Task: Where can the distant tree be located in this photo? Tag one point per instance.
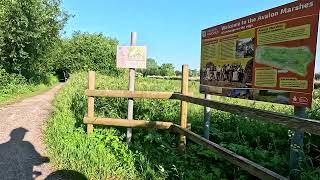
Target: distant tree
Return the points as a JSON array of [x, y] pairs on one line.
[[167, 70], [194, 73], [317, 76], [28, 30], [152, 64], [152, 68], [178, 73]]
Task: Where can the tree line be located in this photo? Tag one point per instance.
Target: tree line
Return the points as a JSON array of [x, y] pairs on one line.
[[31, 44], [166, 69]]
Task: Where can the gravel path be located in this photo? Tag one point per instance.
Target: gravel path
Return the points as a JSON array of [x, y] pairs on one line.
[[22, 152]]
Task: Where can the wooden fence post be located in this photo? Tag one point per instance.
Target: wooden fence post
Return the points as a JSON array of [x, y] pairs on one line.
[[184, 105], [91, 86]]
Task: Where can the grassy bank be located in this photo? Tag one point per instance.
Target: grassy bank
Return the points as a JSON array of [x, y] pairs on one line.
[[153, 153], [15, 87], [25, 92]]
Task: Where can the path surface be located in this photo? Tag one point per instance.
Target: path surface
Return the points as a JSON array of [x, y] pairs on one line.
[[22, 152]]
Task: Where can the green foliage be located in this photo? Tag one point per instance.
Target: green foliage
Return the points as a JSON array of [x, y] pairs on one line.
[[167, 70], [13, 86], [153, 153], [27, 31], [153, 69], [84, 51], [194, 73]]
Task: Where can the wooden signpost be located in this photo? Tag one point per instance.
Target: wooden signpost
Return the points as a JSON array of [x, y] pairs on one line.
[[131, 57], [132, 77]]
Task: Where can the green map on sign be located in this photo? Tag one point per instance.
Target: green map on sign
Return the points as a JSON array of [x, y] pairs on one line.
[[292, 59]]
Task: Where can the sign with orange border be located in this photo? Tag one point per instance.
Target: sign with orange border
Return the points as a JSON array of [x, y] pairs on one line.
[[268, 56]]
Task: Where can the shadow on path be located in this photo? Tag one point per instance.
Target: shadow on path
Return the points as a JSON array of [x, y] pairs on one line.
[[18, 157], [66, 174]]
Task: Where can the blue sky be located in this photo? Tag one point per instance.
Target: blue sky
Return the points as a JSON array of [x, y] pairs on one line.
[[170, 29]]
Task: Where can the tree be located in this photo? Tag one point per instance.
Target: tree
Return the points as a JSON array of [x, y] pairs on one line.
[[167, 70], [84, 51], [194, 73], [178, 73], [28, 29], [151, 69]]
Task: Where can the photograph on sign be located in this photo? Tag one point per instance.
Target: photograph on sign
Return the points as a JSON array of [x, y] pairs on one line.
[[268, 56], [132, 57]]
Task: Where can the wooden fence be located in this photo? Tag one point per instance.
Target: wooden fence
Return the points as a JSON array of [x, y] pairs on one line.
[[292, 122]]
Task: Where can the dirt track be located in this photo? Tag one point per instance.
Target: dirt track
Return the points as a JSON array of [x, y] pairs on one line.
[[22, 152]]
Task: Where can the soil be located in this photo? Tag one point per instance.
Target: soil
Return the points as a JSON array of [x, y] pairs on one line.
[[22, 151]]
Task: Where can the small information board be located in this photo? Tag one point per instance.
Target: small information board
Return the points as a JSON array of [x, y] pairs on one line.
[[132, 57]]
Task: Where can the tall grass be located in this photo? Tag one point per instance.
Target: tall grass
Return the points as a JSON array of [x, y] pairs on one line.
[[153, 153], [15, 86]]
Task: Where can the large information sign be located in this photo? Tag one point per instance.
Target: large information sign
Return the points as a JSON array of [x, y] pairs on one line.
[[268, 56]]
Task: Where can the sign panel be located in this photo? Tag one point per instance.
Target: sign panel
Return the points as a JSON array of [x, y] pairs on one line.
[[268, 56], [131, 57]]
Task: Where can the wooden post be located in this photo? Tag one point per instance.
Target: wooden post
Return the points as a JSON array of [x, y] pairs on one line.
[[132, 75], [184, 105], [296, 147], [91, 86], [206, 130]]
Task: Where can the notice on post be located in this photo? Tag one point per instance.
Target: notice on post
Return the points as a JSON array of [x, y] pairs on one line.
[[132, 57]]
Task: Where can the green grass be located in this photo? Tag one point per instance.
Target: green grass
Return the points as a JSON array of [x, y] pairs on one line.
[[16, 90], [153, 153]]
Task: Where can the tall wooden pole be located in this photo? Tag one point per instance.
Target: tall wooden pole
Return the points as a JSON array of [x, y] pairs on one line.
[[206, 129], [184, 105], [91, 86], [132, 75], [296, 148]]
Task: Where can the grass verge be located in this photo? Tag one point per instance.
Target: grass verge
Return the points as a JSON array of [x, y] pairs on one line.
[[30, 91]]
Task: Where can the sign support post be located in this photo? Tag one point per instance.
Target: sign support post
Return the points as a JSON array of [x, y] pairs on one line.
[[296, 147], [184, 106], [206, 131], [132, 75]]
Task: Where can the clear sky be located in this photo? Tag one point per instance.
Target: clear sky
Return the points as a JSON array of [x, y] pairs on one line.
[[171, 29]]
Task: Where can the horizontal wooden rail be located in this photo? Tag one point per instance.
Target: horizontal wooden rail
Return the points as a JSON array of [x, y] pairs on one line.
[[232, 157], [245, 164], [127, 123], [130, 94], [293, 122]]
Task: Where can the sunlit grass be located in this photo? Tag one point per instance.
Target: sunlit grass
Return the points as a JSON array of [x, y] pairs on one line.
[[153, 153]]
